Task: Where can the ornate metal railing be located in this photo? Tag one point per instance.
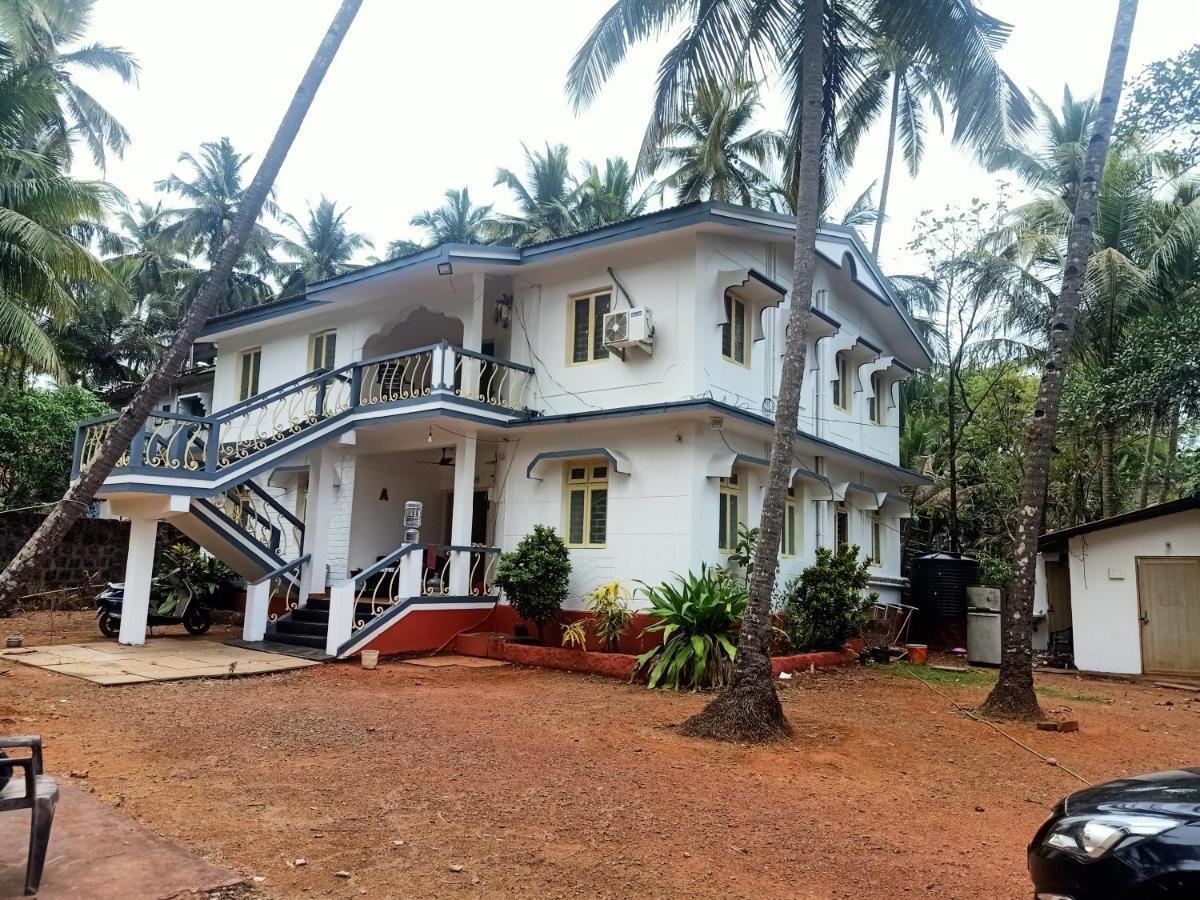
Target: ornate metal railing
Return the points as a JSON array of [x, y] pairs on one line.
[[281, 584], [262, 517], [489, 380], [423, 570], [215, 443]]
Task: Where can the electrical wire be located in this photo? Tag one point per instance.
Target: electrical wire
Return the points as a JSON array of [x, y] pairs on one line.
[[1046, 759]]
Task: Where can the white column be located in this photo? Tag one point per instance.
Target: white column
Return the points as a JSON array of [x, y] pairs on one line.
[[258, 599], [317, 517], [460, 522], [341, 616], [139, 569]]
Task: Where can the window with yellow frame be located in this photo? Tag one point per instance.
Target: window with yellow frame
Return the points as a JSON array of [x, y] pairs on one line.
[[735, 336], [732, 509], [876, 539], [249, 368], [586, 494], [841, 384], [585, 326], [791, 524], [875, 406], [322, 348]]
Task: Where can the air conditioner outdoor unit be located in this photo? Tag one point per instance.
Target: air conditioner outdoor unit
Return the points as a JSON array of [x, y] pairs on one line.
[[629, 328]]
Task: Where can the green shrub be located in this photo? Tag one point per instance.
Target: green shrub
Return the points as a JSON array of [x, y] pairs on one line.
[[37, 437], [535, 576], [995, 571], [697, 616], [827, 604], [188, 571]]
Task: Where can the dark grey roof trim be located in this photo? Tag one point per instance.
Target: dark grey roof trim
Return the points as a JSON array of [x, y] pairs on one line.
[[1053, 539], [640, 226]]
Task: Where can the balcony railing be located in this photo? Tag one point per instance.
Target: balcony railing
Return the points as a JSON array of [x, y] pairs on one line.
[[212, 444]]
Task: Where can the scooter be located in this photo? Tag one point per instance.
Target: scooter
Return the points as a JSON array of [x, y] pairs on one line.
[[171, 603]]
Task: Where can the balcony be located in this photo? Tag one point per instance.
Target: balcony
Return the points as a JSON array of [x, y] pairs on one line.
[[174, 448]]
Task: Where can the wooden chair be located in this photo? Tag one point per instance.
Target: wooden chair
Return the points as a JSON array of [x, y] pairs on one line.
[[35, 792]]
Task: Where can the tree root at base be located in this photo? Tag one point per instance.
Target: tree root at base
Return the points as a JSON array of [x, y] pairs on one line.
[[746, 713]]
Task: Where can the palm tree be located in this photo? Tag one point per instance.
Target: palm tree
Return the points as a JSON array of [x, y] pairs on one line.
[[603, 198], [41, 211], [398, 248], [907, 81], [1132, 246], [323, 249], [1013, 696], [216, 192], [133, 418], [726, 40], [710, 149], [39, 34], [546, 199], [457, 221], [141, 257]]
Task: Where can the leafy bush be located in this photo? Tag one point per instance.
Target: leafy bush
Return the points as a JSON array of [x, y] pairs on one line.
[[995, 571], [535, 576], [609, 605], [37, 438], [190, 571], [827, 604], [697, 616], [745, 550]]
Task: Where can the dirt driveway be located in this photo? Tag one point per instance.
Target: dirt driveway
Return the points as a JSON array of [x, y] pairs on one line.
[[519, 782]]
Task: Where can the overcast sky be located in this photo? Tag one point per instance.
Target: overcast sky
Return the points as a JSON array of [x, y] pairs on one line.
[[432, 95]]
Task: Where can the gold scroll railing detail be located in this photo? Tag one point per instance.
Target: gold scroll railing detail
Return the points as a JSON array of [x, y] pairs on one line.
[[172, 443], [489, 381], [260, 426], [285, 587], [400, 378]]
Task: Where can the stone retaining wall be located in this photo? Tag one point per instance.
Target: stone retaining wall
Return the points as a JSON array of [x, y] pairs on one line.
[[92, 553]]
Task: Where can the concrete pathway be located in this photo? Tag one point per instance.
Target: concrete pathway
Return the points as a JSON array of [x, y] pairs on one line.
[[450, 659], [159, 659], [98, 853]]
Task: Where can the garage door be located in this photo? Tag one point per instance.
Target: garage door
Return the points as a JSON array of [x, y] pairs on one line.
[[1169, 604]]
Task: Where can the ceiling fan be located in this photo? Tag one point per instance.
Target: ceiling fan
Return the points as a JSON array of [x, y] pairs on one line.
[[446, 460]]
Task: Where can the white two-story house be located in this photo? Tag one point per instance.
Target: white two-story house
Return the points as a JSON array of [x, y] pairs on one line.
[[618, 384]]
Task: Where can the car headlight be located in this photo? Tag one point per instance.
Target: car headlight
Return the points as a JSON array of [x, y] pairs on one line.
[[1090, 837]]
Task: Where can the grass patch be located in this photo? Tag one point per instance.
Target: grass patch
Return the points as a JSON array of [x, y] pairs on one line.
[[979, 677], [969, 678], [1062, 694]]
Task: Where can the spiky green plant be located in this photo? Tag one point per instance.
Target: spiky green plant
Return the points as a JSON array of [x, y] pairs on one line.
[[697, 617]]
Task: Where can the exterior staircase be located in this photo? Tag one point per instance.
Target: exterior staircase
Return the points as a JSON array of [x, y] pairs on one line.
[[213, 462]]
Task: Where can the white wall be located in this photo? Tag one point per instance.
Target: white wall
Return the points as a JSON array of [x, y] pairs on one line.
[[1104, 608], [377, 527], [662, 517]]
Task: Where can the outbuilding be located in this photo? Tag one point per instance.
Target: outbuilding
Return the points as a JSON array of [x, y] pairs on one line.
[[1125, 590]]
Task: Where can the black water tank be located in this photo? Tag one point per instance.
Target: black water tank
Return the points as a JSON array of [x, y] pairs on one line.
[[938, 584]]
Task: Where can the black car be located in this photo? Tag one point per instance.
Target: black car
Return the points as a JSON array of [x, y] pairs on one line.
[[1134, 839]]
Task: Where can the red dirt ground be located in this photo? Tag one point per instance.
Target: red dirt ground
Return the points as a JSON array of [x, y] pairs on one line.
[[550, 784]]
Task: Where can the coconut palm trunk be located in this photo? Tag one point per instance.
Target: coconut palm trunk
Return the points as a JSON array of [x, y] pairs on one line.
[[1148, 460], [748, 709], [1168, 473], [1108, 470], [51, 532], [886, 183], [1013, 695]]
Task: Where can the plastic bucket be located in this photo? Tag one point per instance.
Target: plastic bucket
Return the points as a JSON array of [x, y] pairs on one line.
[[370, 659], [917, 653]]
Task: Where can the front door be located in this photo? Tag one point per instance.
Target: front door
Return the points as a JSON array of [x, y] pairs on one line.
[[1169, 606]]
